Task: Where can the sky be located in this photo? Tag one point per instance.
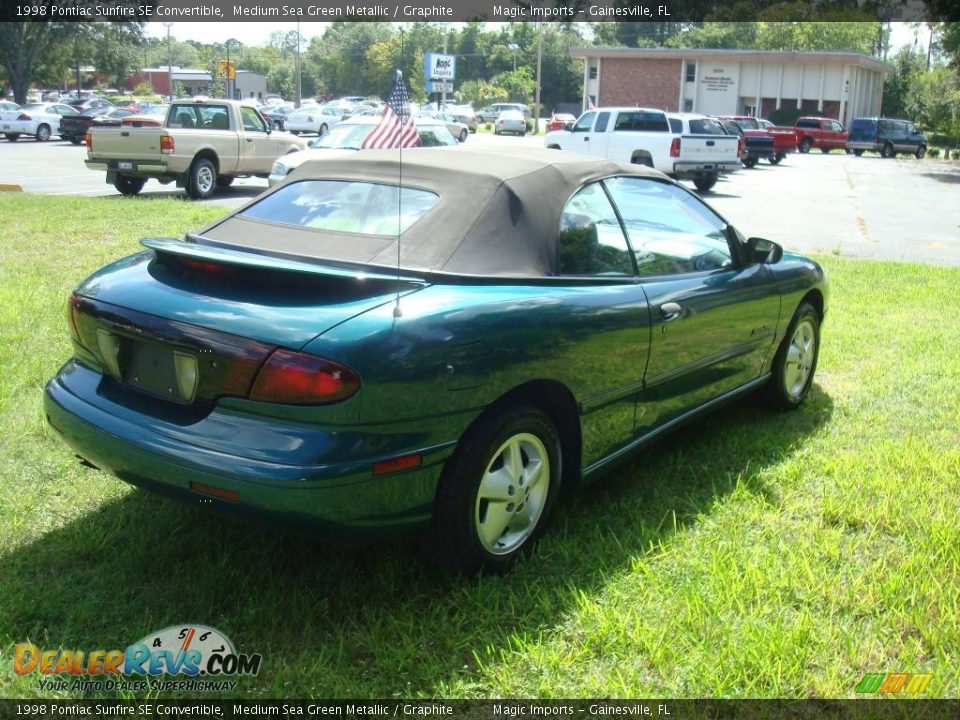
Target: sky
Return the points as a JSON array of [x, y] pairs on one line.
[[256, 33]]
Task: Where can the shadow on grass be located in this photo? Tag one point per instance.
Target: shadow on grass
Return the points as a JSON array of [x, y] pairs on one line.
[[376, 621], [240, 191], [952, 178]]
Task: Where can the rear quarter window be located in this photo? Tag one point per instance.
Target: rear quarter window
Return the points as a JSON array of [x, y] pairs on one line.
[[706, 126], [640, 121]]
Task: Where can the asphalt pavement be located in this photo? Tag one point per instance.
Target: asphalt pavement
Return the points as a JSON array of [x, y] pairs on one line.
[[861, 207]]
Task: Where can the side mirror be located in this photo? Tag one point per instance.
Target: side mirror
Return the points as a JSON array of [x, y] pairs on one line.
[[760, 250]]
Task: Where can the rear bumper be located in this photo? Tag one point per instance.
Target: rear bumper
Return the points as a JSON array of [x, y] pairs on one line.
[[137, 168], [875, 147], [330, 497], [693, 169]]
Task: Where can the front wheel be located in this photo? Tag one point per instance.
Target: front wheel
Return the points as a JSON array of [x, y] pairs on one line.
[[751, 162], [805, 145], [705, 183], [775, 160], [921, 151], [463, 135], [75, 140], [322, 131], [858, 153], [825, 150], [201, 179], [497, 491], [12, 137], [43, 133], [796, 360], [129, 186]]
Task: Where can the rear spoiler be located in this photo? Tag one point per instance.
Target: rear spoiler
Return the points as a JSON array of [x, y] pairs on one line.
[[251, 259]]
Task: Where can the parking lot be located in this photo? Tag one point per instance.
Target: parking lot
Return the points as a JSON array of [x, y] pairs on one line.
[[866, 207]]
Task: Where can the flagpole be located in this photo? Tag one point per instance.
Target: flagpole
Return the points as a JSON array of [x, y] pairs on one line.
[[397, 312]]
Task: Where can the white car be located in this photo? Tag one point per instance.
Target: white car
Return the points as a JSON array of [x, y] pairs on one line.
[[510, 121], [41, 120], [348, 137], [314, 119]]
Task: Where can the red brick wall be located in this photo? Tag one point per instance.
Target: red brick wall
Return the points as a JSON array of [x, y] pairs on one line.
[[647, 83]]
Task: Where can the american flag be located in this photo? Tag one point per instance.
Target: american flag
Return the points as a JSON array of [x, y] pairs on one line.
[[396, 128]]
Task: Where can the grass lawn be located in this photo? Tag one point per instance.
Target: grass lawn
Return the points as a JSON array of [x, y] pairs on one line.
[[750, 555]]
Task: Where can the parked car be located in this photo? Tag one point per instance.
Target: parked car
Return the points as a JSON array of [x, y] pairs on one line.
[[6, 107], [347, 137], [560, 121], [464, 114], [755, 146], [510, 121], [277, 115], [887, 136], [93, 103], [282, 363], [461, 131], [314, 119], [818, 132], [74, 127], [41, 120], [644, 136], [784, 139], [490, 113], [154, 117], [203, 144]]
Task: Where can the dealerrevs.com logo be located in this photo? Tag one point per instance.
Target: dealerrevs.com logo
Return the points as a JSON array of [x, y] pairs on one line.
[[199, 658]]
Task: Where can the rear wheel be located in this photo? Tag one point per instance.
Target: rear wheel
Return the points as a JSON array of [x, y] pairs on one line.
[[825, 150], [463, 135], [12, 137], [323, 130], [775, 160], [751, 162], [75, 140], [705, 183], [497, 491], [858, 153], [888, 151], [224, 181], [805, 145], [796, 360], [43, 133], [128, 185], [921, 151], [201, 179]]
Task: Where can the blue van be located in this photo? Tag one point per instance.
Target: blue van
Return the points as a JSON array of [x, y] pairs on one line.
[[887, 136]]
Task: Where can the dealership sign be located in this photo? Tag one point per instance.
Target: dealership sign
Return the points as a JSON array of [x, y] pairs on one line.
[[439, 67]]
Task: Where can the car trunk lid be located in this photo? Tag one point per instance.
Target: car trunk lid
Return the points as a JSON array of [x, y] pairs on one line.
[[126, 144]]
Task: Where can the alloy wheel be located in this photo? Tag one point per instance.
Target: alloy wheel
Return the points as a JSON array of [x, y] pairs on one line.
[[800, 358]]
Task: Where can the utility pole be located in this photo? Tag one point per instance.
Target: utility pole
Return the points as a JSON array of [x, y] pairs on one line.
[[169, 63], [299, 89], [228, 94], [443, 93], [536, 120]]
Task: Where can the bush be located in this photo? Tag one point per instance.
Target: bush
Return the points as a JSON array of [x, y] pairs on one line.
[[933, 152], [955, 154]]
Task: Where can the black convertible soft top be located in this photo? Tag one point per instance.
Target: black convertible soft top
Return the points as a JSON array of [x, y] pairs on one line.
[[498, 213]]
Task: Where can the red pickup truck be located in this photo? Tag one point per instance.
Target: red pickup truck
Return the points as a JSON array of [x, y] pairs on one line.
[[784, 139], [818, 132]]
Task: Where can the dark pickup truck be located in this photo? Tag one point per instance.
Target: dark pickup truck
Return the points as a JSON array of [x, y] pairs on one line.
[[784, 139], [755, 146]]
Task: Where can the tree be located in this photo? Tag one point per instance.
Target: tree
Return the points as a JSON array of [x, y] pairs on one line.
[[907, 64], [519, 84]]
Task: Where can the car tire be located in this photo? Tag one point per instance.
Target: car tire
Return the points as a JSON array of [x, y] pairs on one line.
[[463, 135], [201, 179], [277, 125], [43, 133], [751, 162], [294, 132], [497, 491], [12, 137], [322, 131], [706, 183], [795, 363], [825, 150], [921, 151], [858, 153], [775, 160], [805, 145], [129, 186], [887, 151], [224, 181], [75, 140]]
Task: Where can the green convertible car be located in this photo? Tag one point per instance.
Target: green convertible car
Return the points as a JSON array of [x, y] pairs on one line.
[[440, 345]]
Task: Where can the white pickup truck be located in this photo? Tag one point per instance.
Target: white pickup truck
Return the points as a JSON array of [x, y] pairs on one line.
[[644, 136], [202, 145]]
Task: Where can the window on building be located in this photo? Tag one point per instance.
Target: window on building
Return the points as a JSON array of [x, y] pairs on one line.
[[593, 72], [750, 110], [688, 105], [691, 71]]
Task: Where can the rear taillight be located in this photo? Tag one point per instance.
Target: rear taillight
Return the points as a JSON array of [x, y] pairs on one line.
[[739, 147], [166, 144], [675, 147], [210, 268], [23, 116], [88, 141], [293, 378]]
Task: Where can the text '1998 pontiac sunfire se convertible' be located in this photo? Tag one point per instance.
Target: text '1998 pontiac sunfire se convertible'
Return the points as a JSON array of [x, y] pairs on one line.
[[544, 315]]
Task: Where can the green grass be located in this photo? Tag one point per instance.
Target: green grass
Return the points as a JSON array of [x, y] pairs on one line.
[[750, 555]]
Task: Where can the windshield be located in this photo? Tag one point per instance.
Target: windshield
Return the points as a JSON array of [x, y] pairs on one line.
[[344, 137]]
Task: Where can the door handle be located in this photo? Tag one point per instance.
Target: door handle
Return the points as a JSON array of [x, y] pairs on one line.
[[670, 311], [586, 137], [249, 139]]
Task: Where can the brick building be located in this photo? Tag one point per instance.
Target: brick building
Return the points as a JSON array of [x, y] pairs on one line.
[[840, 85]]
